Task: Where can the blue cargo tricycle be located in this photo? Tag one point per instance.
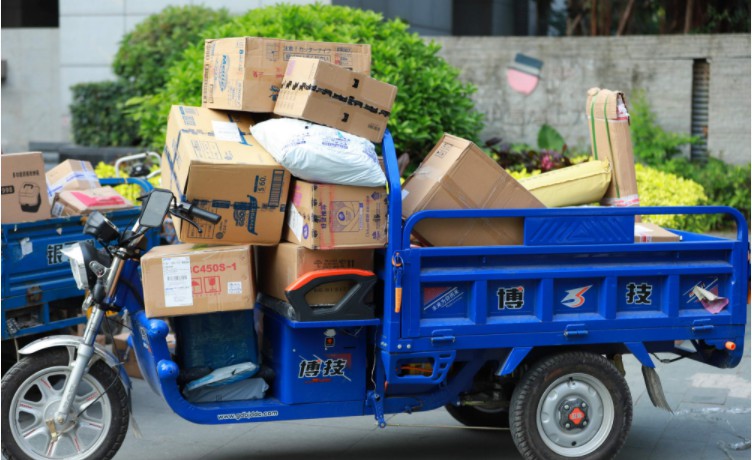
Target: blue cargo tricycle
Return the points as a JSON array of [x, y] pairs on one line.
[[530, 337]]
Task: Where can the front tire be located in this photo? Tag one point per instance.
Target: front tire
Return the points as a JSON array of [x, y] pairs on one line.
[[573, 405], [30, 394]]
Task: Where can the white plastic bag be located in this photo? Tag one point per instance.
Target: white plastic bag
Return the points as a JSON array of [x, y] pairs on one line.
[[320, 154]]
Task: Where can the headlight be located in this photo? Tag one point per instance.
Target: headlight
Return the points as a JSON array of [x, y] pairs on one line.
[[75, 255], [80, 255]]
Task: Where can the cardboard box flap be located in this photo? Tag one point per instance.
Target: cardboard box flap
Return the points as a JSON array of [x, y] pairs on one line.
[[604, 104]]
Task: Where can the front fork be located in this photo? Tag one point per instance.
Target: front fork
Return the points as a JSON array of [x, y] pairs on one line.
[[84, 352], [109, 279]]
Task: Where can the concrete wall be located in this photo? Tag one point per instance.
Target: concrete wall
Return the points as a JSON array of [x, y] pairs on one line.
[[660, 65], [31, 89]]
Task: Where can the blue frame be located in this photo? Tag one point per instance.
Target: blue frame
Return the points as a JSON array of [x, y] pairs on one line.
[[477, 337]]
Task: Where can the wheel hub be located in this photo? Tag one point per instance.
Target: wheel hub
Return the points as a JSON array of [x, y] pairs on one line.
[[574, 414]]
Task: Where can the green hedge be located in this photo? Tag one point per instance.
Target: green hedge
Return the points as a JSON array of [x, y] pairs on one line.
[[97, 115]]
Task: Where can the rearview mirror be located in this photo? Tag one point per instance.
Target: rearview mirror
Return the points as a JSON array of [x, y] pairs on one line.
[[154, 208]]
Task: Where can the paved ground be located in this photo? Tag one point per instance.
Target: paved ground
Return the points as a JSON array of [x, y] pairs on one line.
[[712, 421]]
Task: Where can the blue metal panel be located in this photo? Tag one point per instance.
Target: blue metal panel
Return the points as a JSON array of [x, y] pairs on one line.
[[553, 231]]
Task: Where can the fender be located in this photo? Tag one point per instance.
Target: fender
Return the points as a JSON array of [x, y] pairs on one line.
[[71, 342]]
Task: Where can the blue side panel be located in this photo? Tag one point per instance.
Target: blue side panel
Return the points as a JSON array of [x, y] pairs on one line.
[[553, 231]]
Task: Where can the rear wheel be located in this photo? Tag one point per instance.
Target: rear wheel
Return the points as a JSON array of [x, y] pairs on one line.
[[496, 417], [572, 405], [31, 392]]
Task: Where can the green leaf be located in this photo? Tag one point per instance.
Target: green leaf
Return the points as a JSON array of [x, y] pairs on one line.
[[550, 139]]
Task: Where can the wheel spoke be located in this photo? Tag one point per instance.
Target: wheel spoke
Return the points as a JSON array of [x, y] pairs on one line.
[[46, 388], [35, 408], [35, 431]]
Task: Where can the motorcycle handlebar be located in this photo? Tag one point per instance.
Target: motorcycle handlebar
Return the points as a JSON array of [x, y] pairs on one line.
[[192, 211]]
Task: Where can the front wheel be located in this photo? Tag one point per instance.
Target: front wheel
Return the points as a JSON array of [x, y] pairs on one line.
[[31, 392], [573, 405]]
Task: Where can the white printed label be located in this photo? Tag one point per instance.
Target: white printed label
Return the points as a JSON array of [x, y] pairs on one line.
[[405, 193], [234, 287], [226, 131], [295, 222], [27, 247], [176, 272], [57, 210]]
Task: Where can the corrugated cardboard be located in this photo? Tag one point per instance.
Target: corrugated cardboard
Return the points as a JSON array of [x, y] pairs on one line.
[[79, 202], [334, 96], [71, 175], [327, 216], [186, 279], [459, 175], [24, 188], [245, 73], [645, 232], [212, 160], [287, 262], [128, 357], [608, 122]]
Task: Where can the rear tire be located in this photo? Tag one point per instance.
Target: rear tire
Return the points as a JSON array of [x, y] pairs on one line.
[[573, 405], [478, 416], [30, 392]]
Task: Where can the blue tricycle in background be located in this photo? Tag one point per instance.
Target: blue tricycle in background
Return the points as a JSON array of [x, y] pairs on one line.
[[488, 332]]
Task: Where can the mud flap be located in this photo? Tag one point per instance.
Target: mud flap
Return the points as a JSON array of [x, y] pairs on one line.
[[655, 389]]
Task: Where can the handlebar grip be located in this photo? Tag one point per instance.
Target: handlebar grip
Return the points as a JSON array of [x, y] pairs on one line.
[[198, 213]]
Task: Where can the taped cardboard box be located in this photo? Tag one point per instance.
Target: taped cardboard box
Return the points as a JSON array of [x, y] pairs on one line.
[[646, 232], [330, 95], [327, 216], [187, 279], [608, 122], [126, 355], [457, 174], [287, 262], [211, 160], [245, 73], [81, 202], [71, 175], [24, 188]]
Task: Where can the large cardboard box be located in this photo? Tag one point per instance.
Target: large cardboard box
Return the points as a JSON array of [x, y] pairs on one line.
[[327, 216], [212, 160], [457, 174], [645, 232], [245, 73], [128, 357], [71, 175], [79, 202], [187, 279], [330, 95], [287, 262], [608, 122], [24, 188]]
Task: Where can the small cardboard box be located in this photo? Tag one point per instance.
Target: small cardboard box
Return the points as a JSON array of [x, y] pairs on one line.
[[71, 175], [24, 188], [128, 357], [327, 216], [80, 202], [212, 160], [287, 262], [608, 122], [330, 95], [459, 175], [187, 279], [645, 232], [245, 73]]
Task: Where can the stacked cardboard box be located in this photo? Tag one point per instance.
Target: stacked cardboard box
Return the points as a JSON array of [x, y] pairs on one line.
[[24, 197], [211, 160]]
